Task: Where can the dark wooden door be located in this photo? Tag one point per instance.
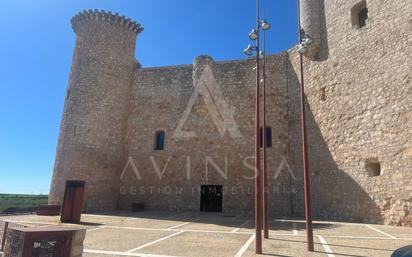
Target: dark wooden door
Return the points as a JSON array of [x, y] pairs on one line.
[[73, 201], [211, 197]]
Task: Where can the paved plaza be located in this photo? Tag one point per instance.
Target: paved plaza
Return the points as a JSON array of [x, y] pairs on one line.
[[150, 234]]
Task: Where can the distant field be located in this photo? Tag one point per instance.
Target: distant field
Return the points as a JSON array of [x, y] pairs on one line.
[[20, 203]]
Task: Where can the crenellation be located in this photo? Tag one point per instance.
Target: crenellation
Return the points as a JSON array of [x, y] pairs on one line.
[[101, 15]]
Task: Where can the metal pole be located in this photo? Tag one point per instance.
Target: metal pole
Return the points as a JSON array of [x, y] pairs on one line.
[[308, 207], [258, 213], [265, 175]]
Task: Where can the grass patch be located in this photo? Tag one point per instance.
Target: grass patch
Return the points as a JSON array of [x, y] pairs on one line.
[[21, 202]]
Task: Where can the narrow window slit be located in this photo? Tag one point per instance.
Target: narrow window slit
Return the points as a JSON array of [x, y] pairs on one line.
[[268, 137], [322, 94], [160, 140]]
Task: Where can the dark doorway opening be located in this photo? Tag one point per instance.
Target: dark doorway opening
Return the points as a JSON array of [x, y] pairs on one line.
[[211, 197]]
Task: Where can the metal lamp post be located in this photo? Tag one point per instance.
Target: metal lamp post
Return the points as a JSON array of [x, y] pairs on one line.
[[265, 175], [305, 41], [254, 36]]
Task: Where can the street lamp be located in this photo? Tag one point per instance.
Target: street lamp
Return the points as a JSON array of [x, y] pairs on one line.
[[302, 49], [249, 50], [265, 25], [305, 41], [305, 38], [254, 36]]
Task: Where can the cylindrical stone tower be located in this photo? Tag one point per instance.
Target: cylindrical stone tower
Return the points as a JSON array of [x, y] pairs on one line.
[[310, 20], [93, 127]]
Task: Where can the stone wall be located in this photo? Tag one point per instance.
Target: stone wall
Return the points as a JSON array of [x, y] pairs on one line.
[[160, 100], [364, 79], [93, 125]]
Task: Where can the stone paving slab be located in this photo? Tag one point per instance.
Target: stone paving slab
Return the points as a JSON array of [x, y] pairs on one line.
[[365, 247], [100, 219], [147, 223], [219, 225], [286, 246], [277, 226], [398, 232], [342, 230], [114, 239], [199, 244]]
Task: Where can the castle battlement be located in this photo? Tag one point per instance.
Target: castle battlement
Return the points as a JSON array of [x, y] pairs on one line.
[[103, 16]]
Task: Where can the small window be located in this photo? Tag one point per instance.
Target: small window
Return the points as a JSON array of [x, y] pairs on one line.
[[160, 140], [322, 94], [373, 168], [359, 15], [268, 137], [363, 16]]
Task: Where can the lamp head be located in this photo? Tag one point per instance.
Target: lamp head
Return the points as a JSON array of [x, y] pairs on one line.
[[302, 49], [265, 25], [248, 50], [253, 35], [307, 40]]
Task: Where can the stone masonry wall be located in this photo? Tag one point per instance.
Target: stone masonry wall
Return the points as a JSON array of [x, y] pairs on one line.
[[91, 140], [159, 100], [366, 115]]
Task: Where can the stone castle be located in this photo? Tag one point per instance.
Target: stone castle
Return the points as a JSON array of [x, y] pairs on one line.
[[156, 135]]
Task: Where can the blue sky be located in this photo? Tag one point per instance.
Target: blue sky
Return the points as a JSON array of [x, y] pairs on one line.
[[36, 45]]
